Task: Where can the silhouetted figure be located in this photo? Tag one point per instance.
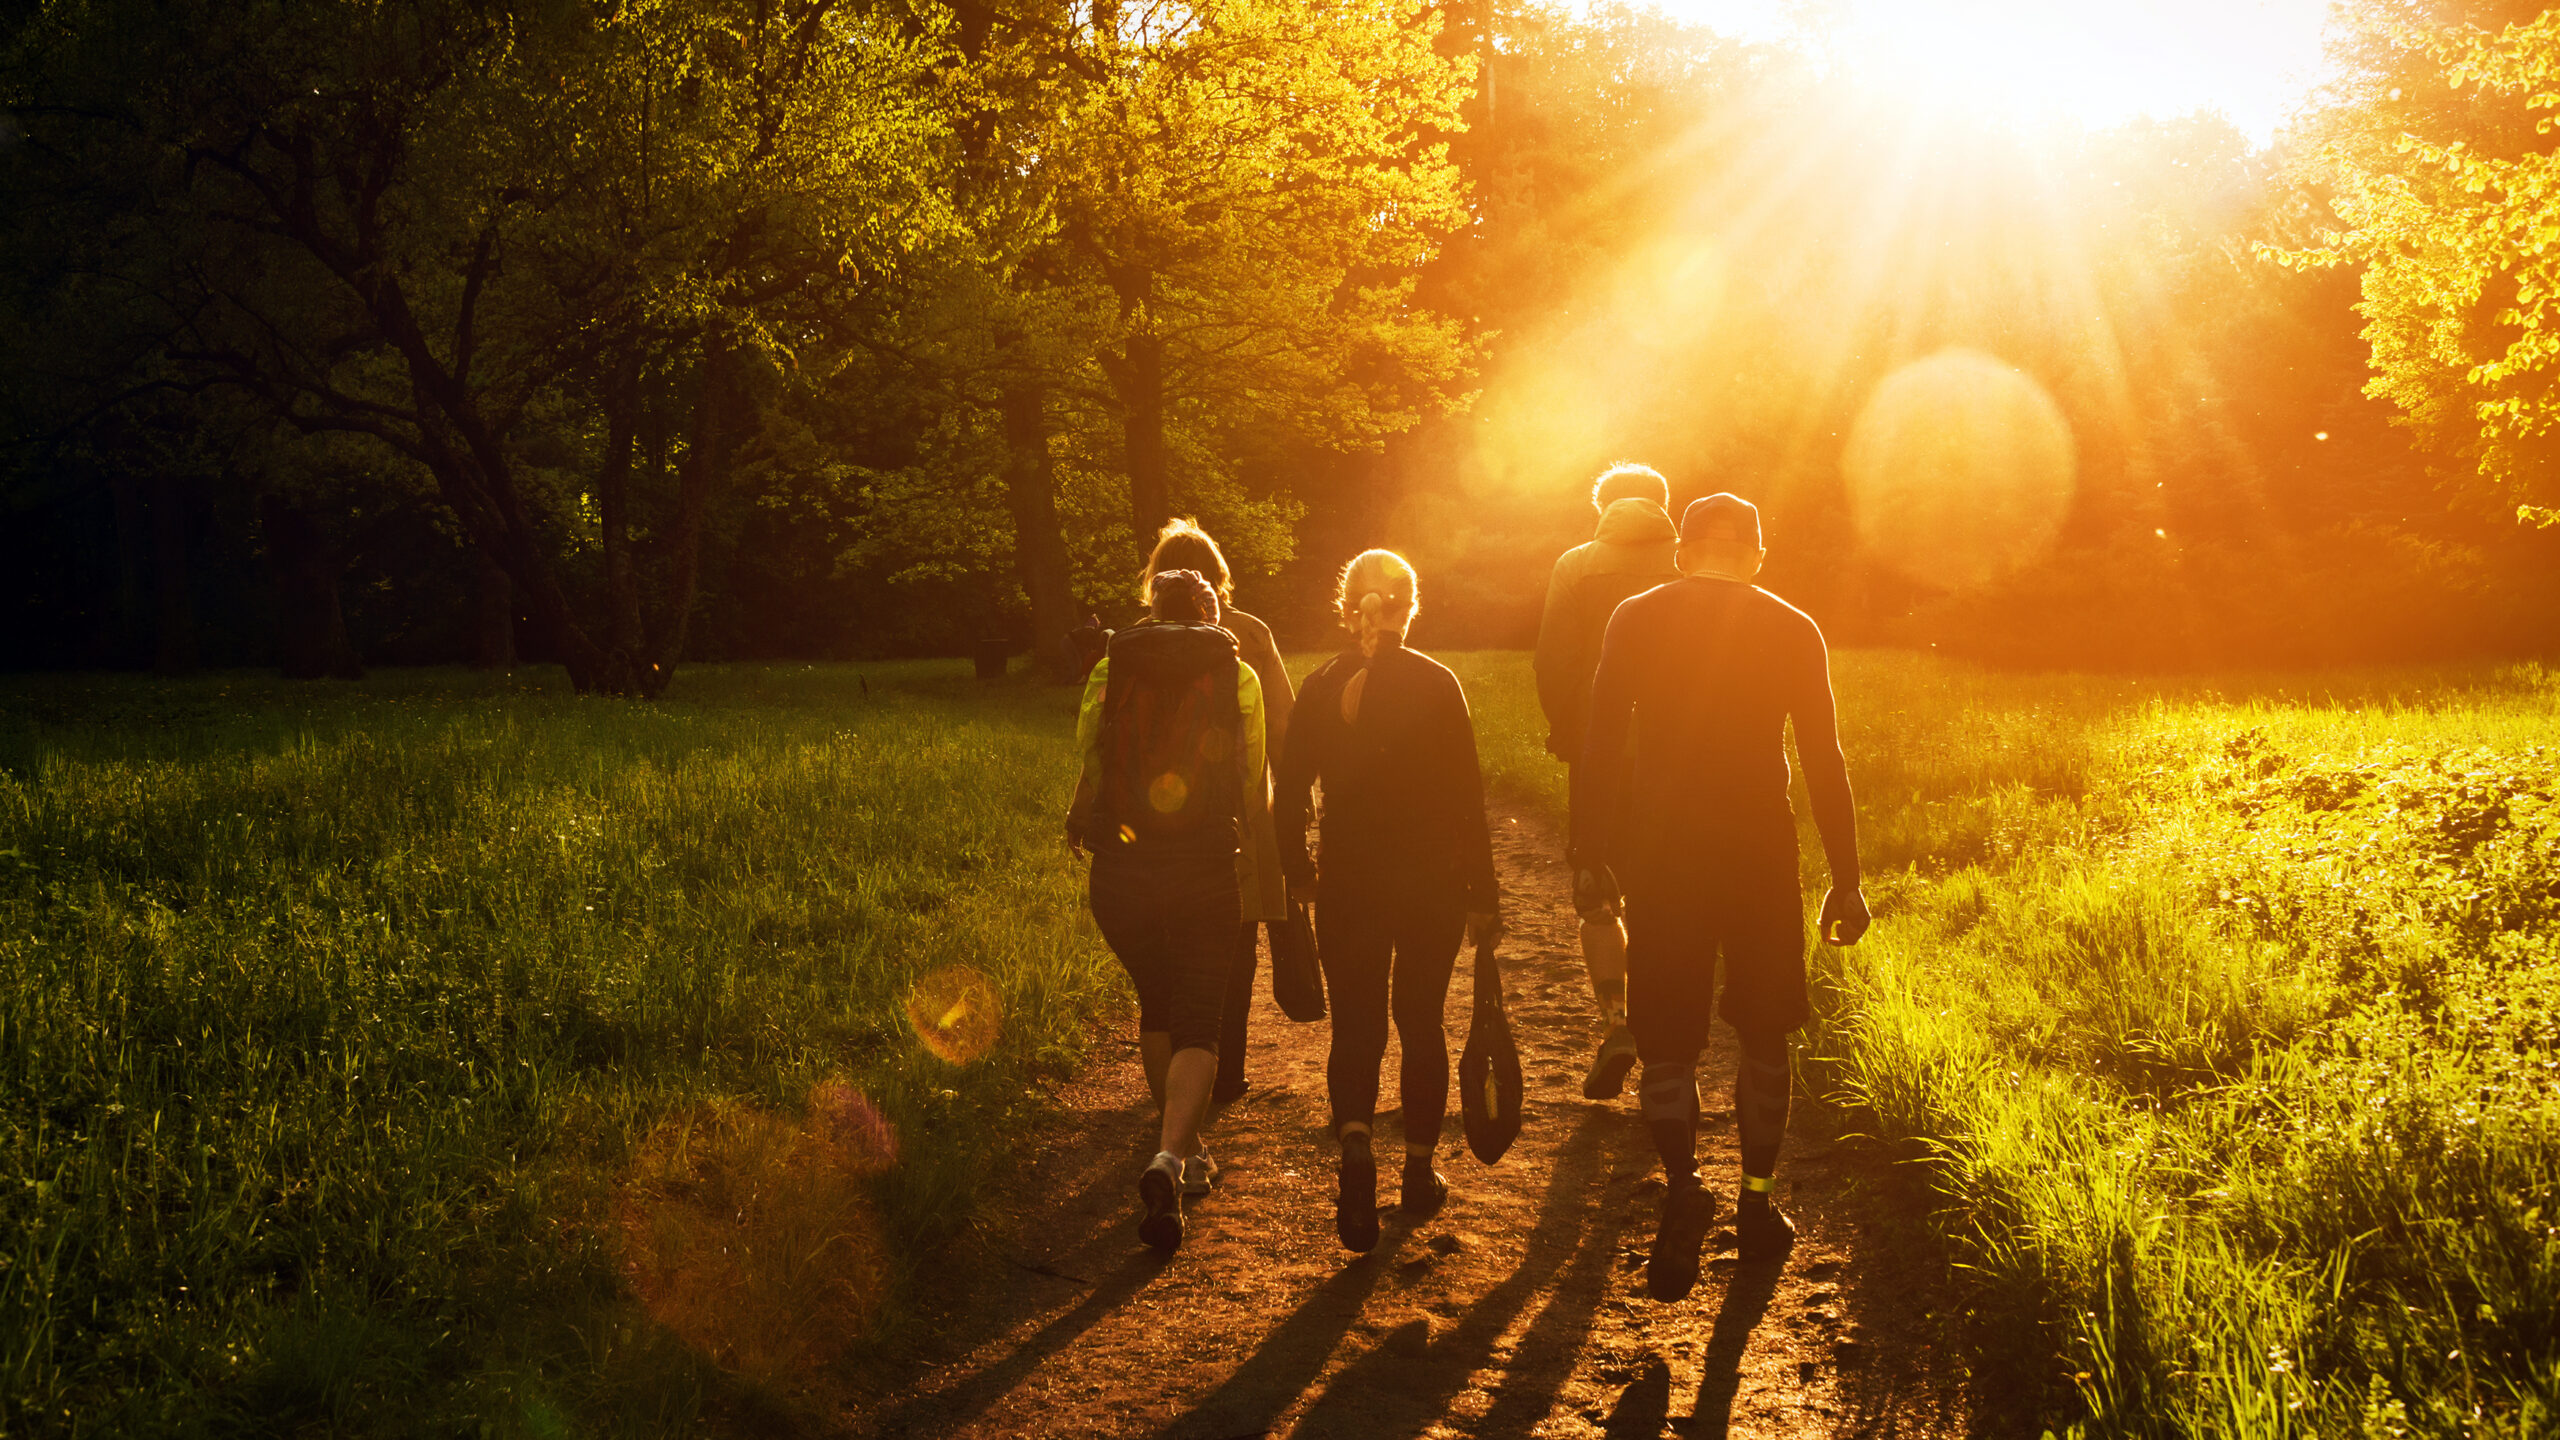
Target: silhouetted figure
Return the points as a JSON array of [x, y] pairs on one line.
[[1171, 735], [1407, 871], [1629, 553], [1709, 670], [1183, 545]]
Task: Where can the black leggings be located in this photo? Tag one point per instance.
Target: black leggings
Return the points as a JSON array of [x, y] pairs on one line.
[[1389, 949]]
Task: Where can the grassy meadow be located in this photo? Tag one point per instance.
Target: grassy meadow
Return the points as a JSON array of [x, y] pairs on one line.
[[366, 1051], [444, 1053], [2226, 1016]]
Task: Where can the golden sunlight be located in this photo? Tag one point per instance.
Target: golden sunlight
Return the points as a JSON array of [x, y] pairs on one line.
[[2034, 62]]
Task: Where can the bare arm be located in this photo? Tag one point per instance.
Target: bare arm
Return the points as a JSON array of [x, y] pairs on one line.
[[1826, 770], [1826, 781]]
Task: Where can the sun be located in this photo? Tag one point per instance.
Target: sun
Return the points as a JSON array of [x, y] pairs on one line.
[[2031, 64]]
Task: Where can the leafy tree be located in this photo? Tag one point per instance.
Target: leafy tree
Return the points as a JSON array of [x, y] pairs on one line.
[[2452, 221], [536, 252], [1252, 184]]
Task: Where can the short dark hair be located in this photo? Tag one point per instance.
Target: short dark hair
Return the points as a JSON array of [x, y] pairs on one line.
[[1183, 545]]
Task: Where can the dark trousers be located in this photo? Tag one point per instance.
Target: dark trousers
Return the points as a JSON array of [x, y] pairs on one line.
[[1170, 918], [1387, 949], [1231, 1025]]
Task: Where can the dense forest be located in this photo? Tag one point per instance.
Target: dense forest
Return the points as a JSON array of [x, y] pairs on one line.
[[617, 335]]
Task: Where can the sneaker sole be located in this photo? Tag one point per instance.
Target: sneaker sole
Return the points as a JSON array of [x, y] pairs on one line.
[[1194, 1192], [1608, 1077], [1162, 1228]]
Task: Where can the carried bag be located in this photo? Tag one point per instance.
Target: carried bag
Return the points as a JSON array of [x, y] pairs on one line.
[[1297, 981], [1489, 1086]]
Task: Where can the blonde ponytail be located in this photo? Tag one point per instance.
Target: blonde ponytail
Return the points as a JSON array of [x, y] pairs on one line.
[[1377, 597]]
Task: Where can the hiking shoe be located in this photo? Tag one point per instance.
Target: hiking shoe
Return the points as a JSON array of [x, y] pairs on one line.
[[1160, 1190], [1198, 1174], [1355, 1209], [1672, 1269], [1765, 1231], [1609, 1068], [1424, 1191], [1227, 1092]]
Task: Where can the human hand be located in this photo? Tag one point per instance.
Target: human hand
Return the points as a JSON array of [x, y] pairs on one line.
[[1595, 893], [1484, 927], [1844, 915], [1075, 834]]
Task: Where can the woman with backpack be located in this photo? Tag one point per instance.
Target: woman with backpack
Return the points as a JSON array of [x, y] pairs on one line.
[[1406, 871], [1183, 545], [1171, 735]]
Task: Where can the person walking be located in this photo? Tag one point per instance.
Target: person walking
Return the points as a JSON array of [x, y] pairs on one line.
[[1708, 672], [1172, 780], [1629, 553], [1183, 545], [1403, 875]]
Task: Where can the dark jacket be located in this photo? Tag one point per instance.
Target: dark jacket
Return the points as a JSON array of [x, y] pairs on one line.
[[1403, 796]]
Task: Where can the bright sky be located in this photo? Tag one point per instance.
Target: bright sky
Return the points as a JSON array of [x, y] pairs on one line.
[[2098, 62]]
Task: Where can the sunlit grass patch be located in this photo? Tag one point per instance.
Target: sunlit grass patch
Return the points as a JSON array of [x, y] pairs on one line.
[[2225, 1013], [341, 1028]]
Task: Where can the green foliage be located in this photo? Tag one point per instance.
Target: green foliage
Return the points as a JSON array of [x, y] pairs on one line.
[[2452, 220], [333, 1029]]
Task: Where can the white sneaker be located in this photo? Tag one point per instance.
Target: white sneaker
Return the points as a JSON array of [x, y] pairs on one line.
[[1198, 1174]]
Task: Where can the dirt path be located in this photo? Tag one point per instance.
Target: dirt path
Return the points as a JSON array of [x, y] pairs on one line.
[[1518, 1310]]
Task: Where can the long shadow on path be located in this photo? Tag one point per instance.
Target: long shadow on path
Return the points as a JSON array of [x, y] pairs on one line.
[[1746, 1303], [1407, 1382]]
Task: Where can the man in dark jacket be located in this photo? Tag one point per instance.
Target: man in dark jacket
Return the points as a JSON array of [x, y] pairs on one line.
[[1629, 553], [1706, 674]]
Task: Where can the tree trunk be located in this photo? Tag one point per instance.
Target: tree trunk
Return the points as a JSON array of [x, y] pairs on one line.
[[311, 628], [173, 620], [1039, 545], [706, 464], [1139, 377], [613, 497], [493, 618]]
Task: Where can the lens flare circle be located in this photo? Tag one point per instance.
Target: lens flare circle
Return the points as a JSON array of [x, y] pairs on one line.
[[1960, 470], [955, 1012], [753, 1236]]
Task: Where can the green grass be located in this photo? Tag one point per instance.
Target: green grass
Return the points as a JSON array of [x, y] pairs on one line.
[[2226, 1017], [363, 1048], [442, 1054]]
